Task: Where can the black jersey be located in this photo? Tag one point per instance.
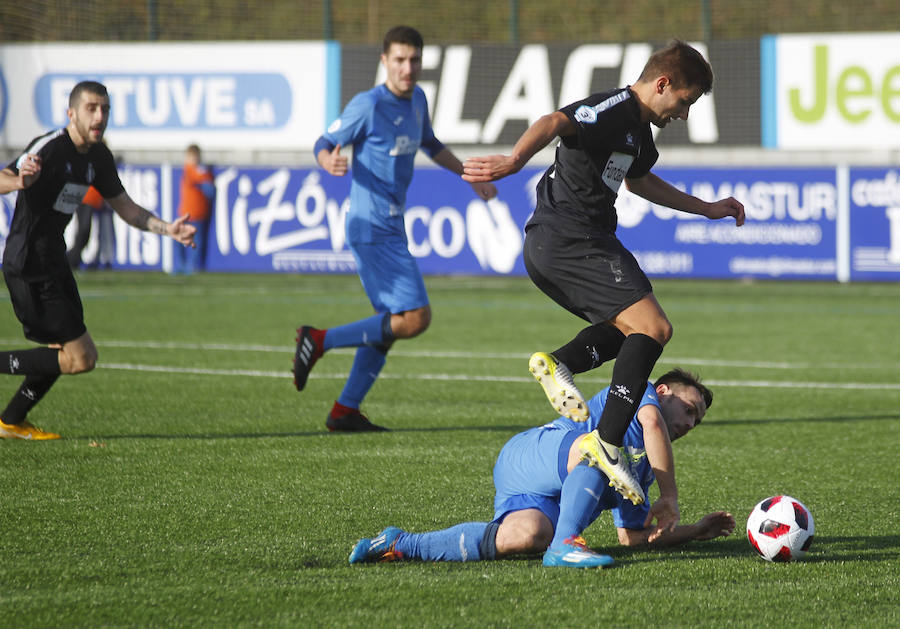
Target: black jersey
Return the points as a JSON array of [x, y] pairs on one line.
[[35, 247], [578, 192]]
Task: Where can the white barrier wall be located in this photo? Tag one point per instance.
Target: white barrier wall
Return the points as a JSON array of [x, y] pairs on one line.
[[222, 95], [831, 91]]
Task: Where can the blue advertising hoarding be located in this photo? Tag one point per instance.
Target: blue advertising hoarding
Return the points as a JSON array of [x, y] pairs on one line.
[[292, 220], [790, 228], [874, 221], [802, 223]]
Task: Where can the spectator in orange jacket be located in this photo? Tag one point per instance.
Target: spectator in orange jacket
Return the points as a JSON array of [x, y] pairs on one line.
[[197, 191]]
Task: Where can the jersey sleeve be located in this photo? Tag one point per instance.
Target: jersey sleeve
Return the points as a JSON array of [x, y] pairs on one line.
[[17, 162], [594, 118], [646, 159], [353, 121], [107, 180], [430, 144], [649, 397]]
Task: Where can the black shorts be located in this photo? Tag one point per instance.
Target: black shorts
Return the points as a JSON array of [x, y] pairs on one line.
[[50, 309], [595, 278]]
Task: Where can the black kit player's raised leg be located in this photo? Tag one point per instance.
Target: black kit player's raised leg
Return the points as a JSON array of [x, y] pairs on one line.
[[593, 346], [632, 369]]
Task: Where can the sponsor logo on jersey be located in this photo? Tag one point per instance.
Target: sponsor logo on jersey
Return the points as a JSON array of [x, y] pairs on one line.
[[404, 145], [335, 126], [70, 197], [616, 169]]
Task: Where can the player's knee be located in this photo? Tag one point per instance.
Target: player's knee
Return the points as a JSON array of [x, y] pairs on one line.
[[79, 363], [524, 537], [664, 332], [413, 323], [660, 331], [540, 540]]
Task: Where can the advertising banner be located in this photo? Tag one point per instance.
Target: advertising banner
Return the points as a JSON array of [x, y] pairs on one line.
[[481, 94], [260, 96], [790, 228], [874, 207], [222, 95], [291, 220], [802, 223], [831, 91]]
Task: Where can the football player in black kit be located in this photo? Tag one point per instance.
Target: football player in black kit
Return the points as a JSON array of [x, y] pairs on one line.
[[572, 254], [51, 177]]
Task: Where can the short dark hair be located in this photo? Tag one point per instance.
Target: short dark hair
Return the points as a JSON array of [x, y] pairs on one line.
[[686, 378], [402, 35], [94, 87], [683, 64]]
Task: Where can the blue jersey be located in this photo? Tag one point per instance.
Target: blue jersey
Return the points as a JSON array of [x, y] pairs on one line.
[[531, 467], [385, 132]]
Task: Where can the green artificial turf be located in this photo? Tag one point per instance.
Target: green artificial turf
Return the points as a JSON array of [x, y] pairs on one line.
[[195, 487]]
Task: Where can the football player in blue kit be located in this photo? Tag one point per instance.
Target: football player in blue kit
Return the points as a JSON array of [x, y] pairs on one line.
[[386, 126], [571, 251], [51, 178], [546, 495]]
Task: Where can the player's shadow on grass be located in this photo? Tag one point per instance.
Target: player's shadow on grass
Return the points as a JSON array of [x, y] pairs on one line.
[[310, 433], [725, 423], [854, 548], [826, 548]]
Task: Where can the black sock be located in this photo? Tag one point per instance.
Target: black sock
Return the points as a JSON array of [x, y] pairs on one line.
[[592, 347], [633, 366], [40, 361], [29, 394]]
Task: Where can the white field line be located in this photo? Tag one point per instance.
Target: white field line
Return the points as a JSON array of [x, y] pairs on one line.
[[289, 350]]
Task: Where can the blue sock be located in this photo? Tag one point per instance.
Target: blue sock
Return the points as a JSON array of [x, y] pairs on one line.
[[581, 491], [367, 365], [370, 331], [463, 542]]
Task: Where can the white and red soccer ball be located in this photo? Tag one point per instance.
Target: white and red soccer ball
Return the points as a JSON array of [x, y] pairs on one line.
[[780, 528]]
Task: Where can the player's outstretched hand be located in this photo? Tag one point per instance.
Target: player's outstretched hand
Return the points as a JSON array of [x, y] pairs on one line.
[[334, 162], [712, 525], [182, 231], [666, 514], [727, 207], [488, 168]]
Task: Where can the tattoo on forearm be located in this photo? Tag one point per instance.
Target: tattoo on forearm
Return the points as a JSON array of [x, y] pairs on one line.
[[147, 222], [157, 226]]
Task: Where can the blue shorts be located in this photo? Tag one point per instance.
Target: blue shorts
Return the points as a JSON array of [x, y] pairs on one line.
[[530, 471], [390, 276]]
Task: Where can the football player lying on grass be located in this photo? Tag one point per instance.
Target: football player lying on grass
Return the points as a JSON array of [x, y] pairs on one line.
[[547, 492]]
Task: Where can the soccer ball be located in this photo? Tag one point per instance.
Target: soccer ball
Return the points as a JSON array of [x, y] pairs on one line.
[[780, 528]]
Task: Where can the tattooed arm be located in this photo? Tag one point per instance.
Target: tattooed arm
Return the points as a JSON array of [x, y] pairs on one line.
[[138, 217]]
